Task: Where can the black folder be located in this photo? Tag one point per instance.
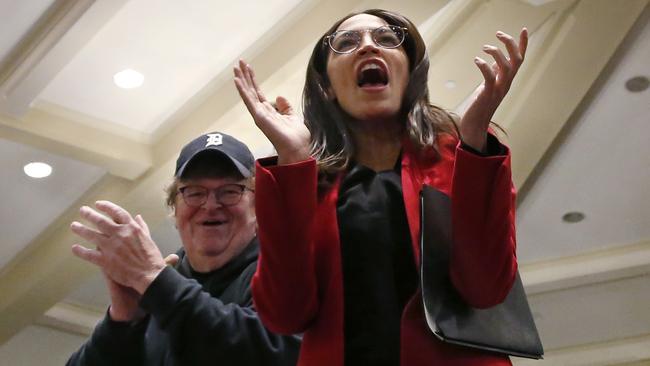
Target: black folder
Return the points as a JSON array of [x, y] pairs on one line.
[[506, 328]]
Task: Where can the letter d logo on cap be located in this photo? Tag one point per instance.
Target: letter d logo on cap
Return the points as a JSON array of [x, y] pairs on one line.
[[214, 139]]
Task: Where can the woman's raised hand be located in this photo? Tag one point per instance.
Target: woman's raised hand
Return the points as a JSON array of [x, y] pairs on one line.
[[497, 80], [282, 126]]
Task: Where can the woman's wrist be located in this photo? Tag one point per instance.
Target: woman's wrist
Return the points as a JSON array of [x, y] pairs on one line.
[[292, 157], [475, 140]]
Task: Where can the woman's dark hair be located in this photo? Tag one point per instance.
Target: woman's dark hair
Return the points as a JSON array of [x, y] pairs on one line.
[[331, 142]]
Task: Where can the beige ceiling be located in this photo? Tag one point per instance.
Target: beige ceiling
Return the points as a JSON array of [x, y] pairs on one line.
[[578, 137]]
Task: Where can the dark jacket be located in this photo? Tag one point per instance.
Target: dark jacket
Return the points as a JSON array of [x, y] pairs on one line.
[[194, 319]]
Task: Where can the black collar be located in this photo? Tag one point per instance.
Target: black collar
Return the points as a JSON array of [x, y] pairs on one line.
[[215, 281]]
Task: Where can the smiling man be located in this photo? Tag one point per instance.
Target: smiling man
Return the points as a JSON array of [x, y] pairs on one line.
[[200, 311]]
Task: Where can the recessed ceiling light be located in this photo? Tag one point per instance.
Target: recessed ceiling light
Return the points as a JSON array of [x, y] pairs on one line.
[[37, 170], [573, 217], [537, 2], [128, 79], [637, 84], [450, 84]]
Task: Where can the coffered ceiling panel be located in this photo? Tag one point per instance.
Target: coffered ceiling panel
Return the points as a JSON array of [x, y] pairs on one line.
[[601, 168], [178, 51], [29, 204]]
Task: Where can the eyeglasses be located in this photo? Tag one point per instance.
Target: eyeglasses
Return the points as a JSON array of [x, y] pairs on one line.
[[227, 195], [346, 41]]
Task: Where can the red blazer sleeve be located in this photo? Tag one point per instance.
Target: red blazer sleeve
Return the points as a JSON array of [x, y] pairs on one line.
[[284, 286], [483, 260]]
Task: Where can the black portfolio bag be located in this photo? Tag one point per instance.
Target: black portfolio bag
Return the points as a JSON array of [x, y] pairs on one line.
[[506, 328]]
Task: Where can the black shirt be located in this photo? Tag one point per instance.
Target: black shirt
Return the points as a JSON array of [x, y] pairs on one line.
[[194, 319], [379, 274]]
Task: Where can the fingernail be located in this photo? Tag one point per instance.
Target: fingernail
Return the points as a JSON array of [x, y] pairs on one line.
[[486, 47]]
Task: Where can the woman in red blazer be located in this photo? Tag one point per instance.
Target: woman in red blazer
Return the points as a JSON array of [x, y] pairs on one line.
[[338, 208]]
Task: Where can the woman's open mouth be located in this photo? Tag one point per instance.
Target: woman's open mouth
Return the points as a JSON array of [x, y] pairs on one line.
[[372, 74]]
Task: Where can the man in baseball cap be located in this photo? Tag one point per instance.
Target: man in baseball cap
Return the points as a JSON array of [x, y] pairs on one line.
[[200, 311]]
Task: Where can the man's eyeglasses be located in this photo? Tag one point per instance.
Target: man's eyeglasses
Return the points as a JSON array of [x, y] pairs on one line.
[[346, 41], [227, 195]]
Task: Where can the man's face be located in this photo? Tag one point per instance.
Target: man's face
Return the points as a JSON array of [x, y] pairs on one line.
[[213, 234]]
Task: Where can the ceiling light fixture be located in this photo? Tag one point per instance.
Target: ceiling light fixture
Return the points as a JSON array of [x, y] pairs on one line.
[[637, 84], [450, 84], [537, 2], [128, 79], [37, 170], [573, 217]]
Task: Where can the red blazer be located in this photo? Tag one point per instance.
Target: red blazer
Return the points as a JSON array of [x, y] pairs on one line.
[[298, 286]]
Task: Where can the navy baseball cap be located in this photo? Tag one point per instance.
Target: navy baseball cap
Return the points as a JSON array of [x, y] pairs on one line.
[[231, 148]]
